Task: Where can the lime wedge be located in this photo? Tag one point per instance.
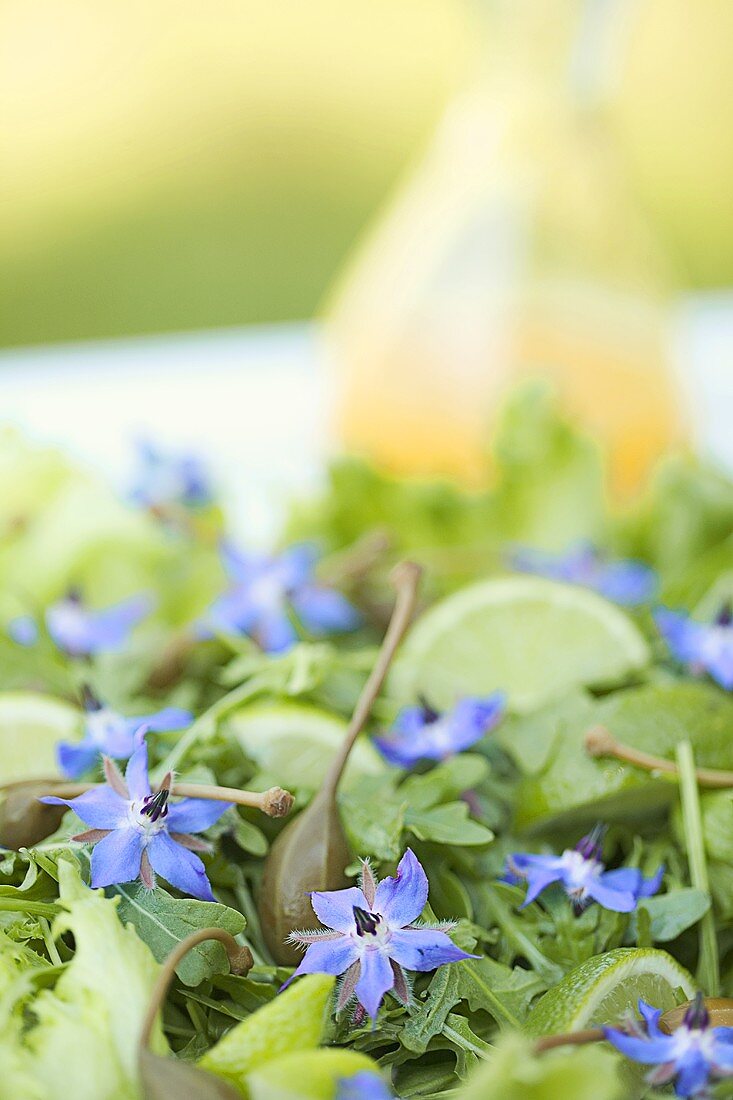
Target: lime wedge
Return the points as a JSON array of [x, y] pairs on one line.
[[532, 638], [603, 988], [30, 728], [293, 744]]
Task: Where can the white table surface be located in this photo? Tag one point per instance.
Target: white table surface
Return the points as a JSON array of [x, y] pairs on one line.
[[256, 401]]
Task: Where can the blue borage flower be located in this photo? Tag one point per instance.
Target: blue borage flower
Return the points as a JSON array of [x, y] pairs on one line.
[[364, 1085], [371, 936], [108, 733], [137, 832], [267, 591], [582, 875], [165, 478], [625, 582], [694, 1053], [23, 629], [82, 632], [703, 647], [422, 733]]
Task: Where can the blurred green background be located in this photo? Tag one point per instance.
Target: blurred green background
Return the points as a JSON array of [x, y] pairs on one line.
[[178, 165], [170, 164]]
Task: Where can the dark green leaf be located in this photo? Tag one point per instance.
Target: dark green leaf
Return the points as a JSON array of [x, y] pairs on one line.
[[670, 914], [163, 921]]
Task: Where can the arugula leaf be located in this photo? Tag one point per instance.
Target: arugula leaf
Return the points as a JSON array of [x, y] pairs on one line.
[[447, 824], [163, 921], [428, 1018], [573, 788], [371, 832], [671, 914]]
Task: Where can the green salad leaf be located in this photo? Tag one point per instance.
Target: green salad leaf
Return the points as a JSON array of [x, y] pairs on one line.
[[552, 657]]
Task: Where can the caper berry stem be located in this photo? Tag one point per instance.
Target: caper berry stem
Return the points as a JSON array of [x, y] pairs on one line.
[[240, 962], [406, 578], [570, 1038], [275, 802], [599, 741]]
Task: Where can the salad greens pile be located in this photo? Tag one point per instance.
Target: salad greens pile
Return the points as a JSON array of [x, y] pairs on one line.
[[532, 833]]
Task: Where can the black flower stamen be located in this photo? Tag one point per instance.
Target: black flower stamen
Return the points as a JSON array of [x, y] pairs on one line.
[[156, 805], [429, 713], [591, 846], [725, 615], [365, 922], [90, 700], [697, 1016]]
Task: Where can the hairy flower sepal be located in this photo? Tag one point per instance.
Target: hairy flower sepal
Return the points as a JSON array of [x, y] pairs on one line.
[[371, 936], [138, 832], [582, 874], [692, 1055]]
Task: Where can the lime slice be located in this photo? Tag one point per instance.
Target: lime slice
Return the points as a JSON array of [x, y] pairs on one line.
[[532, 638], [603, 988], [30, 728], [293, 745]]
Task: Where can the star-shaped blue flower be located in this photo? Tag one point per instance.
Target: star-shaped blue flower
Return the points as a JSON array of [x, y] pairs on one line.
[[363, 1086], [583, 876], [166, 478], [624, 582], [266, 592], [108, 733], [82, 632], [137, 833], [422, 733], [692, 1056], [371, 936], [703, 647]]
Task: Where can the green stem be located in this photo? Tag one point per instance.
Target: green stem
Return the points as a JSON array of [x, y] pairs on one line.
[[207, 722], [708, 970], [32, 908], [50, 943]]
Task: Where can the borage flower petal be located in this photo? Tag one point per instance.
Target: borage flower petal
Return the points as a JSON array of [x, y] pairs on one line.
[[108, 733], [267, 592], [695, 1053], [582, 875], [625, 582], [164, 478], [401, 899], [374, 939], [364, 1085], [703, 647], [422, 733], [82, 632], [133, 826]]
